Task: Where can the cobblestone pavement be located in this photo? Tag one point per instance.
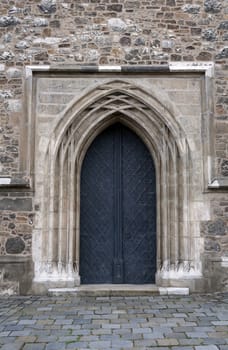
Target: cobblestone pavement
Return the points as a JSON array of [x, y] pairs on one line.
[[198, 322]]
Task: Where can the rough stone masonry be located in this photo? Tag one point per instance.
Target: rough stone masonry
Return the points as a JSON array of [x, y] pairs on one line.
[[111, 33]]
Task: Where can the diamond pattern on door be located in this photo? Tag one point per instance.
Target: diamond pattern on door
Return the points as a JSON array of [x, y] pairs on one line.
[[96, 222], [139, 211], [118, 210]]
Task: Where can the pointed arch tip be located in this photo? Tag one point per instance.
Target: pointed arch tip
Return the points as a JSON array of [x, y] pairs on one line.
[[154, 99]]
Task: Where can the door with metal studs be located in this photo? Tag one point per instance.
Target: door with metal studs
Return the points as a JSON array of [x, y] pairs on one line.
[[118, 210]]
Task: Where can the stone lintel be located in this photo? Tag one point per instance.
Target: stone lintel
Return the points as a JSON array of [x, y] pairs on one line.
[[5, 181], [35, 68], [145, 69], [110, 69], [218, 184], [8, 182], [172, 67], [204, 67], [76, 69]]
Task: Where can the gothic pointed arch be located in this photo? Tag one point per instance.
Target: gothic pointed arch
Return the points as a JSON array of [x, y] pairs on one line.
[[154, 118]]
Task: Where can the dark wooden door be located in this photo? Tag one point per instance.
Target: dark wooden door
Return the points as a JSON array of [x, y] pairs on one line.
[[118, 210]]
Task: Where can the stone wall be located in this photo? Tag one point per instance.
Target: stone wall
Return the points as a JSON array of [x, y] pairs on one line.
[[98, 32]]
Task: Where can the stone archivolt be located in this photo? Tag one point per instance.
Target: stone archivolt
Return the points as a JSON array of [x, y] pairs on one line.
[[178, 252]]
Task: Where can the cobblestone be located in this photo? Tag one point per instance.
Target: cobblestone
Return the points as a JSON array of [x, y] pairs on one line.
[[53, 323]]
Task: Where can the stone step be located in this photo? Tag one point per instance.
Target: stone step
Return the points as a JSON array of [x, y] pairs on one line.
[[117, 290]]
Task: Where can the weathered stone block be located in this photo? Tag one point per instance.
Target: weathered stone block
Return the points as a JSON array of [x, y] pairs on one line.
[[41, 56], [212, 6], [18, 204], [117, 24], [211, 245], [190, 8], [5, 94], [196, 31], [223, 99], [204, 56], [11, 226], [80, 20], [171, 2], [15, 245], [223, 53], [132, 54], [47, 6], [22, 45], [13, 73], [5, 159], [168, 44], [139, 41], [6, 21], [55, 24], [6, 56], [223, 25], [50, 109], [115, 7], [7, 38], [40, 22], [9, 288], [55, 98], [17, 274], [216, 228], [209, 34], [14, 106], [125, 41], [224, 167]]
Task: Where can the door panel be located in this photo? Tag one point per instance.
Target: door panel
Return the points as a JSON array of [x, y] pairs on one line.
[[139, 211], [118, 210], [96, 221]]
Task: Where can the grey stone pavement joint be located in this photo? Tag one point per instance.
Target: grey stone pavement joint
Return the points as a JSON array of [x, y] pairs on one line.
[[194, 322]]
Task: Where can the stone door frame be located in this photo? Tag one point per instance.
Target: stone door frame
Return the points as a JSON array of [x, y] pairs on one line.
[[151, 115]]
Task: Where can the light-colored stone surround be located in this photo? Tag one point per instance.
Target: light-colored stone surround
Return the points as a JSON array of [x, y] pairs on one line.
[[170, 108]]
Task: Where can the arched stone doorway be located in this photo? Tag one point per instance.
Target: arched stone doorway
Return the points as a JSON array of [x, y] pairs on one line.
[[118, 210], [155, 120]]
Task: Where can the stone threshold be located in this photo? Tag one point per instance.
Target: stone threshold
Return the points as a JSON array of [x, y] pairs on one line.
[[118, 290]]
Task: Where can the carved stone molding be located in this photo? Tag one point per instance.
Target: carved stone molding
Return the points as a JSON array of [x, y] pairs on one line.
[[145, 112]]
